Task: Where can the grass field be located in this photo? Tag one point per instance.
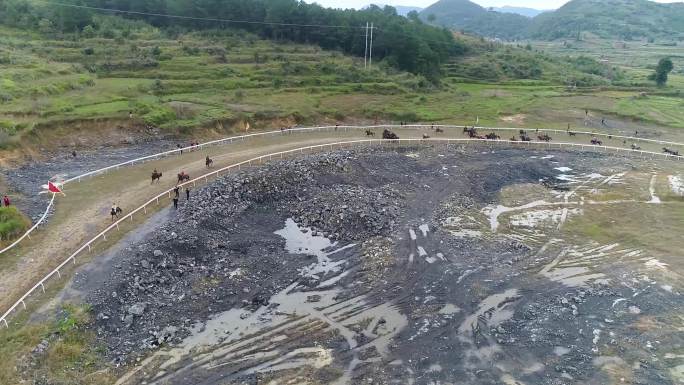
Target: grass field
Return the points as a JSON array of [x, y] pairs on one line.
[[226, 78]]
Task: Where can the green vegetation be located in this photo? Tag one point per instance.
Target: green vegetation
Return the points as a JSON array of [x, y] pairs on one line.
[[621, 19], [466, 16], [129, 73], [617, 19], [407, 44], [497, 62], [662, 71], [66, 353], [12, 223]]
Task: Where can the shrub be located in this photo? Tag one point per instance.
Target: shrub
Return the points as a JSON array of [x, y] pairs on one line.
[[88, 31], [12, 223], [89, 51], [159, 116]]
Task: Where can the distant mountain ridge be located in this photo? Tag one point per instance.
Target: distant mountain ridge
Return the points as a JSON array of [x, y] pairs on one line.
[[470, 17], [622, 19], [617, 19]]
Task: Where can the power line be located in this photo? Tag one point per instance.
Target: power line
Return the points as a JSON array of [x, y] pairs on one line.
[[252, 22]]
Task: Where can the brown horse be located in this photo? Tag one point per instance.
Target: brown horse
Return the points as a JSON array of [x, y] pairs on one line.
[[182, 177], [156, 176], [209, 162], [387, 134]]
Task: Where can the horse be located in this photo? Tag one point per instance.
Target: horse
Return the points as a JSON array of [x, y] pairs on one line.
[[492, 136], [156, 176], [635, 147], [182, 177], [426, 136], [572, 133], [544, 138], [472, 133], [513, 139], [525, 138], [596, 142], [387, 134], [208, 162], [370, 133], [439, 130], [670, 152]]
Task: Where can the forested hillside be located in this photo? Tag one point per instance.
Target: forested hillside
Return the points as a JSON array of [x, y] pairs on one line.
[[469, 17], [406, 43], [613, 19], [622, 19]]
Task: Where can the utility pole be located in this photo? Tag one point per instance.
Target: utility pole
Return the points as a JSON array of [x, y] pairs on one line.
[[365, 53], [370, 56]]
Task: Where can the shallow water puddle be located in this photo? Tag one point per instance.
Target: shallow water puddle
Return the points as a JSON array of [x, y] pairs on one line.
[[543, 217], [494, 211], [240, 342], [300, 240], [676, 184], [573, 265], [563, 169]]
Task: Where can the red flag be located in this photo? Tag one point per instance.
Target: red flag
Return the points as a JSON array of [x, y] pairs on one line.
[[53, 188]]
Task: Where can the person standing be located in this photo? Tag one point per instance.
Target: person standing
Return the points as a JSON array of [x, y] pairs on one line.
[[187, 193], [175, 203], [6, 201], [176, 190]]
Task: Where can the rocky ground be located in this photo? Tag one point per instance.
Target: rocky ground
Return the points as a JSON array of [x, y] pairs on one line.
[[388, 267]]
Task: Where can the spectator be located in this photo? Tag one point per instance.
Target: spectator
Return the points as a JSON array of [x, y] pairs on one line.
[[6, 201]]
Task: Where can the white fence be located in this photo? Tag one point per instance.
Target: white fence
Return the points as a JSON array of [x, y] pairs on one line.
[[260, 159], [229, 140]]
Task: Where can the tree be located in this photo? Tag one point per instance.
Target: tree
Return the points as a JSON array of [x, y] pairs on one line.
[[413, 16], [664, 67], [88, 31], [431, 18]]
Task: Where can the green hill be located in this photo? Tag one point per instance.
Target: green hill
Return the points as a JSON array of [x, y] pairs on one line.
[[612, 19], [621, 19], [407, 44], [470, 17]]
